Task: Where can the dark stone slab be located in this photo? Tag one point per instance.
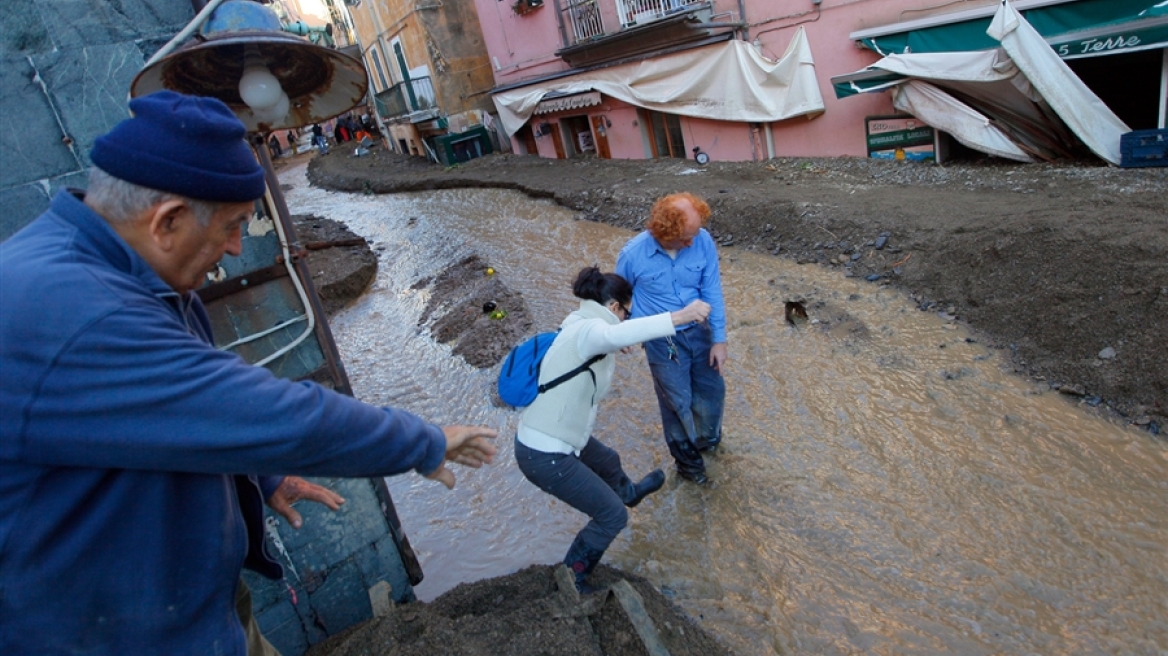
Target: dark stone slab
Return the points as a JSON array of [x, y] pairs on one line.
[[26, 202], [89, 89], [30, 136], [24, 32], [74, 24]]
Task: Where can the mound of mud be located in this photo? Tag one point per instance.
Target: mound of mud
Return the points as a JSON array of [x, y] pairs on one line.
[[533, 611], [341, 262], [458, 312]]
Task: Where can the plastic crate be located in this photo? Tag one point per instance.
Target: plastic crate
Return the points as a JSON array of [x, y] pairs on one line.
[[1143, 148]]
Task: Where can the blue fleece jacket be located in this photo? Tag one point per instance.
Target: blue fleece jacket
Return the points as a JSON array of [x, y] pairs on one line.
[[124, 517]]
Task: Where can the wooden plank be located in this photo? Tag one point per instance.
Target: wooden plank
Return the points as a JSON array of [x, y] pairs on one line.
[[634, 607]]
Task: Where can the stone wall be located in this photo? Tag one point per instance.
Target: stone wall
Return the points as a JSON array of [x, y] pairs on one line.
[[66, 68]]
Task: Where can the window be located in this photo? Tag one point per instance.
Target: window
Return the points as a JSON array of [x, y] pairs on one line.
[[665, 135], [376, 57]]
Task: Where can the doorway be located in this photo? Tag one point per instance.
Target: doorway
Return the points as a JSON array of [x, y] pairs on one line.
[[578, 130], [665, 138], [1134, 93]]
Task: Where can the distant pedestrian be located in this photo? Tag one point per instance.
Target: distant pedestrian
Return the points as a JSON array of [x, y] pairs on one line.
[[319, 140]]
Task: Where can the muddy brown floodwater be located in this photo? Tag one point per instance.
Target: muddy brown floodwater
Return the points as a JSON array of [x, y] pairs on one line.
[[887, 484]]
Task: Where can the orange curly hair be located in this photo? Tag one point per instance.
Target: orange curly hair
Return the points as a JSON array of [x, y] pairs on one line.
[[666, 219]]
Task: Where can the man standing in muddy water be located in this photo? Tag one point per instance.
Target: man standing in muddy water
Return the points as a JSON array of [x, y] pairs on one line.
[[135, 457], [672, 263]]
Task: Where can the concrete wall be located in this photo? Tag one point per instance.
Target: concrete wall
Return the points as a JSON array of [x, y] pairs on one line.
[[460, 69], [66, 68]]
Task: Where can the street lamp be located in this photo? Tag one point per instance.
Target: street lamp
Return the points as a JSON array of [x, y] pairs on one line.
[[272, 80]]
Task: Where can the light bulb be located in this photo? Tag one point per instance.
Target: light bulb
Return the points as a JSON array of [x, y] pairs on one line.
[[258, 87], [276, 112]]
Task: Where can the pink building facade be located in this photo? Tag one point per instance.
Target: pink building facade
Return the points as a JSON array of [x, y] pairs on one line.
[[560, 47]]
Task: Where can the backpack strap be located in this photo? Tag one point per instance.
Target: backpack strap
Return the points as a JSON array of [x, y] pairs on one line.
[[573, 373]]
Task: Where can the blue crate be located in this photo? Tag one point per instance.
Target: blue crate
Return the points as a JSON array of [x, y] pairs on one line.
[[1143, 148]]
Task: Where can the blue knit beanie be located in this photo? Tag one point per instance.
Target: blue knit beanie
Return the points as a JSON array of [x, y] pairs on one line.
[[187, 145]]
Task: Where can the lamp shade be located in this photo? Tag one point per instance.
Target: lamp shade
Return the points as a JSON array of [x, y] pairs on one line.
[[320, 83]]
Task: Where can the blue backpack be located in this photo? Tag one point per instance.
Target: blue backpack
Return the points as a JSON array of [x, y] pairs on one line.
[[519, 377]]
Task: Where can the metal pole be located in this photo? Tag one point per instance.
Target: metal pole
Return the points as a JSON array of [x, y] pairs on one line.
[[324, 335]]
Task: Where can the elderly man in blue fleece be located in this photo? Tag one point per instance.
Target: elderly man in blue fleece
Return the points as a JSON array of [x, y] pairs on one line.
[[671, 264], [135, 457]]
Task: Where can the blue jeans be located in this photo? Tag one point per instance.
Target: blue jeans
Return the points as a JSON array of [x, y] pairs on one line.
[[690, 393], [593, 483], [321, 144]]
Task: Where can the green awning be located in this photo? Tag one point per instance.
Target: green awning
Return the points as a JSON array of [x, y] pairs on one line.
[[1074, 28], [865, 81]]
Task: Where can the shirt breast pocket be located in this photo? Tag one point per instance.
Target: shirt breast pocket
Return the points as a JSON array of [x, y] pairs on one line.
[[657, 282], [689, 276]]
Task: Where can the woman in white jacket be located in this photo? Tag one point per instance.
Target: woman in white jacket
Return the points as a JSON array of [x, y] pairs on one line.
[[555, 448]]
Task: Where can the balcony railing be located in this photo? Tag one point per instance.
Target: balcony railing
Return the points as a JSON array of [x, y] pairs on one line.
[[583, 19], [406, 98], [639, 12]]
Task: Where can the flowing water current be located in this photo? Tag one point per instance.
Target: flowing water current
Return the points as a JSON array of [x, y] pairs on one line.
[[884, 486]]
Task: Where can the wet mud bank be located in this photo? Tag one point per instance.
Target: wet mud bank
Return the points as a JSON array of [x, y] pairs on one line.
[[530, 612], [1064, 267], [341, 262]]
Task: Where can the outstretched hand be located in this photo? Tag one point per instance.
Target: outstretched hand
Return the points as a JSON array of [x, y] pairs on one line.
[[465, 445], [293, 489]]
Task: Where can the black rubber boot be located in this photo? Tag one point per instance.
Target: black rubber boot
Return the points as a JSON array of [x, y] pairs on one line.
[[582, 560], [690, 465], [648, 485]]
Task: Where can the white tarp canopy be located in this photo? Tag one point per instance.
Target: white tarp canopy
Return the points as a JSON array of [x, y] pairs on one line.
[[1017, 101], [729, 81], [1083, 111]]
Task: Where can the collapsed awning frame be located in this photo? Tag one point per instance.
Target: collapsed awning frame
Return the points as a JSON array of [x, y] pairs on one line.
[[1008, 90], [1074, 28]]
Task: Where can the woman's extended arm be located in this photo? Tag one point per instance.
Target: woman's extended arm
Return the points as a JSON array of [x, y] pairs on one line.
[[609, 338]]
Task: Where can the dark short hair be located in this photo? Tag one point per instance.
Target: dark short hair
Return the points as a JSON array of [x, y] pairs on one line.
[[592, 285]]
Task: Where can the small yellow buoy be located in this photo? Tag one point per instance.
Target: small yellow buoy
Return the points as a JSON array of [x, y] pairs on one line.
[[490, 271], [497, 313]]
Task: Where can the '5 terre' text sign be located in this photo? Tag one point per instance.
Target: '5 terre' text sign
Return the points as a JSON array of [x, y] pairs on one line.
[[1092, 46]]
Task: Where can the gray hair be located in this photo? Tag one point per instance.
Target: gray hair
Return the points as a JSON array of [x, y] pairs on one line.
[[118, 200]]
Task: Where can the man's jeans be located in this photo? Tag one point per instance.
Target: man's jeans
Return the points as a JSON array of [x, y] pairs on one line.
[[690, 394], [592, 483]]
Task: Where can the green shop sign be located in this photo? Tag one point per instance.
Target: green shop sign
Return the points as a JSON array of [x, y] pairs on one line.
[[900, 139]]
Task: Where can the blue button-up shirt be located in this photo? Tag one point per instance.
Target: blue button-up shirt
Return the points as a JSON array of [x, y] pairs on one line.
[[665, 284]]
